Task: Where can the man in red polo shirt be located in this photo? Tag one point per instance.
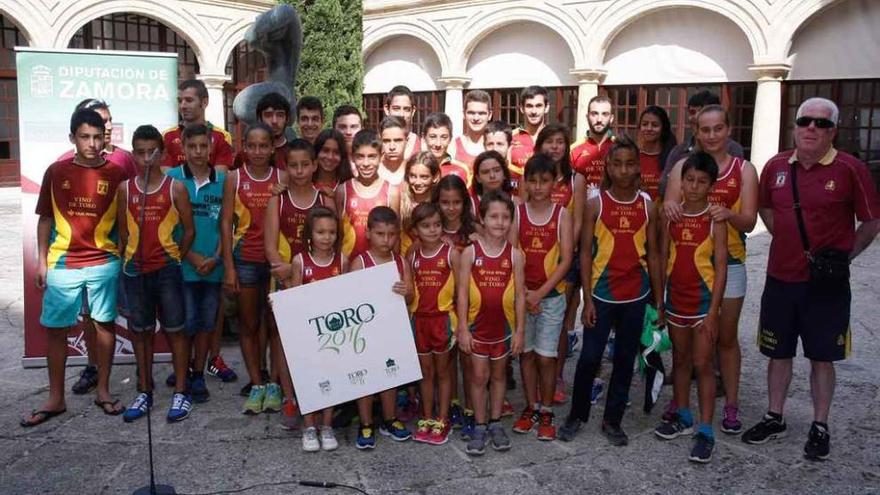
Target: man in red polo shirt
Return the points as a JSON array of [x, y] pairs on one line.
[[588, 154], [834, 189], [192, 100], [534, 104]]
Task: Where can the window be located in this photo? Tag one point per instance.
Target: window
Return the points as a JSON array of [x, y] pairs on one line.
[[426, 102], [10, 37], [859, 127], [246, 66]]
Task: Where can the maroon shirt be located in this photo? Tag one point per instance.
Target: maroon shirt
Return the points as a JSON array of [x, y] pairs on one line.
[[833, 193]]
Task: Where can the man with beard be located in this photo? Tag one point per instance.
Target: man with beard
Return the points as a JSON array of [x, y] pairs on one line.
[[588, 154]]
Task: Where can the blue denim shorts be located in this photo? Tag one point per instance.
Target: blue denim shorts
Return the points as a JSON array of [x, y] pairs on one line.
[[251, 274], [156, 293], [201, 300], [543, 329]]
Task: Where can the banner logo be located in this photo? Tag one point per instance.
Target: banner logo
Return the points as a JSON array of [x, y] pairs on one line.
[[42, 82], [338, 328]]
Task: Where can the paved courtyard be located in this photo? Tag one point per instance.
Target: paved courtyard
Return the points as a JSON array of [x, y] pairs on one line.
[[218, 450]]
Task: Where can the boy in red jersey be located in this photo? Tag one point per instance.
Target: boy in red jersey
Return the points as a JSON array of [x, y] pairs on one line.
[[534, 104], [543, 231], [309, 117], [436, 133], [274, 111], [155, 234], [392, 132], [477, 112], [192, 100], [77, 252], [400, 102], [383, 233], [588, 154]]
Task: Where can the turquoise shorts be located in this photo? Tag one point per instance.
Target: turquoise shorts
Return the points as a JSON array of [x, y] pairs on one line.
[[63, 297]]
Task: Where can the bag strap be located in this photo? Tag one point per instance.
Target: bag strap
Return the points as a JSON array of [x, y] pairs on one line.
[[802, 229]]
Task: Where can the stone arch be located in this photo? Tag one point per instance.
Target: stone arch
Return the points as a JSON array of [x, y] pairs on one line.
[[421, 30], [411, 62], [231, 40], [16, 18], [792, 17]]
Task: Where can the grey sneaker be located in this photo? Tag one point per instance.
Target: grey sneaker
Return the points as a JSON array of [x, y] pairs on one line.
[[498, 437], [477, 443], [673, 429], [569, 429]]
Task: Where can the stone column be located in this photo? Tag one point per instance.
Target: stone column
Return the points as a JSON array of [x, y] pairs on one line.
[[768, 112], [215, 113], [588, 87], [454, 106]]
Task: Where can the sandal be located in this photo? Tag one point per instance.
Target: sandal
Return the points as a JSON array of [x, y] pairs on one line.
[[102, 404], [41, 417]]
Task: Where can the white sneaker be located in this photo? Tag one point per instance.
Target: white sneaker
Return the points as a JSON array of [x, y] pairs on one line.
[[328, 438], [310, 440]]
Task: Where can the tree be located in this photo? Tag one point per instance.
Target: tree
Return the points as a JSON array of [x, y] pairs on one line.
[[331, 65]]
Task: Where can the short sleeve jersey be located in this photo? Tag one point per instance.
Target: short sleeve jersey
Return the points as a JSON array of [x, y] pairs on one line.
[[588, 158], [207, 200], [221, 147]]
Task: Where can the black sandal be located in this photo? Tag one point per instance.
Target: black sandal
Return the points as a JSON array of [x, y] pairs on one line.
[[42, 416]]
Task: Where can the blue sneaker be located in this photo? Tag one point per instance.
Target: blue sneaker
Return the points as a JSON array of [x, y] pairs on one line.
[[138, 408], [199, 389], [469, 423], [396, 430], [181, 404], [597, 391], [456, 415], [366, 438]]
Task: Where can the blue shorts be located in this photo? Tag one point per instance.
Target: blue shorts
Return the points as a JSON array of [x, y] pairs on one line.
[[543, 329], [65, 288], [201, 300], [121, 302], [159, 292], [252, 274]]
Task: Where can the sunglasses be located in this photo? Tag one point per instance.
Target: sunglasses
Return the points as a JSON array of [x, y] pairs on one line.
[[820, 122]]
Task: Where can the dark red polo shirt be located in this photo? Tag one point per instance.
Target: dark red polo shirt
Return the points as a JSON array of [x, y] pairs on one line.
[[833, 193], [221, 147]]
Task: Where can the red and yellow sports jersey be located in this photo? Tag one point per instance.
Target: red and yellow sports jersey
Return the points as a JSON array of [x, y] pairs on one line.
[[251, 198], [159, 232], [279, 158], [650, 170], [82, 203], [221, 147], [461, 154], [369, 262], [727, 192], [620, 250], [312, 271], [291, 221], [354, 215], [522, 147], [690, 272], [434, 282], [491, 309], [562, 193], [456, 239], [541, 245], [452, 167], [588, 158]]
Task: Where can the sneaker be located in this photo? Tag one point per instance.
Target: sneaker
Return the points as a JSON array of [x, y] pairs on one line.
[[88, 380], [138, 407], [506, 409], [615, 434], [272, 402], [818, 446], [670, 430], [702, 450], [290, 417], [730, 422], [365, 439], [328, 438], [456, 415], [199, 389], [181, 404], [526, 421], [477, 443], [769, 428], [569, 429], [171, 381], [670, 412], [218, 368], [597, 391], [468, 426], [310, 440], [396, 430], [546, 429], [559, 397], [498, 437], [423, 430], [439, 433], [254, 403]]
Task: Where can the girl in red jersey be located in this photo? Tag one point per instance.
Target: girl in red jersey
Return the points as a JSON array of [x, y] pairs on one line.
[[320, 260], [421, 174], [246, 195], [333, 163], [433, 265], [490, 174], [694, 261], [655, 140], [491, 310], [357, 197]]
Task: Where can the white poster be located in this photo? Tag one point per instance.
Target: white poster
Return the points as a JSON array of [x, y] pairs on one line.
[[346, 337]]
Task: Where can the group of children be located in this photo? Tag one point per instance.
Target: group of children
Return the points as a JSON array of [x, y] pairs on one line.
[[484, 245]]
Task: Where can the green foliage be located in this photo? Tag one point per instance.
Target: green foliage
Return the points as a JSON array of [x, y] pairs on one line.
[[331, 66]]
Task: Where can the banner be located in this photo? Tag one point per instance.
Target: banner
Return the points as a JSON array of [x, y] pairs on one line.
[[346, 337], [139, 87]]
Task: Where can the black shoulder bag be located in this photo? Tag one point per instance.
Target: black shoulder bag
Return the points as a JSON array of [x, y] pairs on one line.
[[826, 264]]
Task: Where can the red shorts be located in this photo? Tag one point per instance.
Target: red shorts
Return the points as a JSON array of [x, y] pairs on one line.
[[493, 351], [682, 322], [433, 334]]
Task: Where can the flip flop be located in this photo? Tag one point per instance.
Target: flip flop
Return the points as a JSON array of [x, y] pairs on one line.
[[42, 417], [102, 404]]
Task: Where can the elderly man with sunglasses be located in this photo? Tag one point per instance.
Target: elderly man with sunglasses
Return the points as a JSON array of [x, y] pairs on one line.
[[809, 199]]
